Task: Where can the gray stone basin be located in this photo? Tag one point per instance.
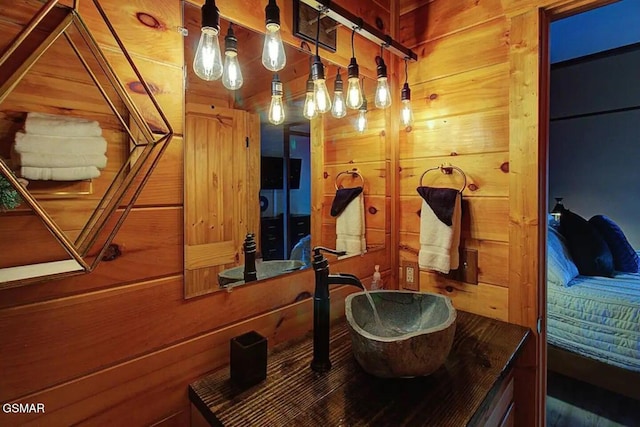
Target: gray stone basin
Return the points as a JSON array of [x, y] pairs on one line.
[[265, 270], [415, 338]]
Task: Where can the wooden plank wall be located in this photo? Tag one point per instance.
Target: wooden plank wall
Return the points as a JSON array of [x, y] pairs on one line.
[[120, 346], [479, 99]]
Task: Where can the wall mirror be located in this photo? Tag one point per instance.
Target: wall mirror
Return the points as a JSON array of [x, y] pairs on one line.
[[256, 198], [76, 143]]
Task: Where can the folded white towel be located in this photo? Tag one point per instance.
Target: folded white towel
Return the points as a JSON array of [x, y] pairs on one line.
[[350, 228], [46, 160], [55, 125], [60, 174], [439, 242], [59, 145]]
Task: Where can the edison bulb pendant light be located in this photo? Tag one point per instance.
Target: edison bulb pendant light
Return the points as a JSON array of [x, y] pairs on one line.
[[320, 91], [207, 63], [406, 113], [231, 73], [309, 110], [276, 109], [339, 108], [361, 120], [273, 55], [354, 92], [383, 95]]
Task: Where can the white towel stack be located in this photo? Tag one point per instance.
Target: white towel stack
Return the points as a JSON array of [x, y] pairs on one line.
[[60, 148], [350, 228]]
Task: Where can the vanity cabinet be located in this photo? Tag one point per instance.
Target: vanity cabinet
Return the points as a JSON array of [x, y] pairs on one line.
[[475, 386]]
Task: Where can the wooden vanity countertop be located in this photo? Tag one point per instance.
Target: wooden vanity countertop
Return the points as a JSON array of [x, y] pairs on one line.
[[457, 394]]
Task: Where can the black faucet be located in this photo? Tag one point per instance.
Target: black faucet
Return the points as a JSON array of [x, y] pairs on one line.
[[249, 246], [321, 306]]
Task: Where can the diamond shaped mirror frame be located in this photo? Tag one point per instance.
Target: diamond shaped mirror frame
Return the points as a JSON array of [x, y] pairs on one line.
[[146, 131]]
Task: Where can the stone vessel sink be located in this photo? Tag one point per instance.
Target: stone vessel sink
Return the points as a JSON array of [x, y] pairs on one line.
[[415, 338], [265, 270]]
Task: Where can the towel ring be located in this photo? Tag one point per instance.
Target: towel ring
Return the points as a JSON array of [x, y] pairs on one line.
[[353, 173], [446, 169]]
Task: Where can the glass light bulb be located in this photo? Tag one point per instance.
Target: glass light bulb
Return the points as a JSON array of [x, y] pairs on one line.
[[354, 94], [231, 74], [273, 57], [322, 97], [276, 110], [383, 96], [406, 113], [309, 109], [339, 108], [361, 121], [207, 63]]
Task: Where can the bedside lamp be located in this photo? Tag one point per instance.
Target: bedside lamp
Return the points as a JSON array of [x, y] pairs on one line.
[[557, 209]]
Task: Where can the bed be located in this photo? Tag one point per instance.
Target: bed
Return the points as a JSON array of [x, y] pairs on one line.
[[593, 323]]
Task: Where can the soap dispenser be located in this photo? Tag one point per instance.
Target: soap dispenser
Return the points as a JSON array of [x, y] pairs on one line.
[[376, 283]]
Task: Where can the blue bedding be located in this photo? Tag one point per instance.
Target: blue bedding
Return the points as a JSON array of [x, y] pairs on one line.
[[597, 317]]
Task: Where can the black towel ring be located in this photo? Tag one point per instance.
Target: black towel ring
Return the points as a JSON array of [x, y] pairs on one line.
[[354, 172], [446, 169]]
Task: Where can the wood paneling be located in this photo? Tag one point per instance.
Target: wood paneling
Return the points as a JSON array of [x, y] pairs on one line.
[[484, 299], [477, 132], [486, 174], [476, 47], [428, 21]]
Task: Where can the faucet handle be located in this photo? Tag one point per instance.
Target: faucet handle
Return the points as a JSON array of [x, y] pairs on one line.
[[317, 250]]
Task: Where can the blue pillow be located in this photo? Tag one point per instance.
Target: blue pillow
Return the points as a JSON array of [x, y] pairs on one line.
[[587, 247], [560, 267], [625, 257]]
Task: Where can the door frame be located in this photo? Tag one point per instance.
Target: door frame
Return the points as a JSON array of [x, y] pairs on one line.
[[528, 189]]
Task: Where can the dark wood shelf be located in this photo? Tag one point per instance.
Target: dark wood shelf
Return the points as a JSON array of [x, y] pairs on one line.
[[459, 393]]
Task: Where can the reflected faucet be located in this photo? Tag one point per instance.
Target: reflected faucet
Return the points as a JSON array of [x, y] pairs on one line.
[[322, 307], [249, 247]]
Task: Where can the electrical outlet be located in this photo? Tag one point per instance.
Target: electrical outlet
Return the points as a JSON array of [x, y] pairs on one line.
[[410, 275]]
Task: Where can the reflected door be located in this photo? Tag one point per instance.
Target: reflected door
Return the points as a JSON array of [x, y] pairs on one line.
[[222, 152]]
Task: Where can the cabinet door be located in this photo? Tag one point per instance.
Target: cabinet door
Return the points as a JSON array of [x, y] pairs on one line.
[[219, 205]]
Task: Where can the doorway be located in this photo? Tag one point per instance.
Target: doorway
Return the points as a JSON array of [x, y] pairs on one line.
[[586, 129]]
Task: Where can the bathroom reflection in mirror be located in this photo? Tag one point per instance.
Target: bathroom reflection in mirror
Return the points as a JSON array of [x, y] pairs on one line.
[[282, 206]]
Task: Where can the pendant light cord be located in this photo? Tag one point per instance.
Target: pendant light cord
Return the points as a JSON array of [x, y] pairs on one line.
[[318, 30], [353, 50], [406, 70]]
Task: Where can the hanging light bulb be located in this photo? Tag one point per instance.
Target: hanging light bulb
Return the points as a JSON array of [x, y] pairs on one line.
[[309, 110], [339, 109], [354, 93], [320, 91], [383, 95], [273, 56], [231, 73], [361, 120], [207, 63], [406, 113], [276, 109]]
